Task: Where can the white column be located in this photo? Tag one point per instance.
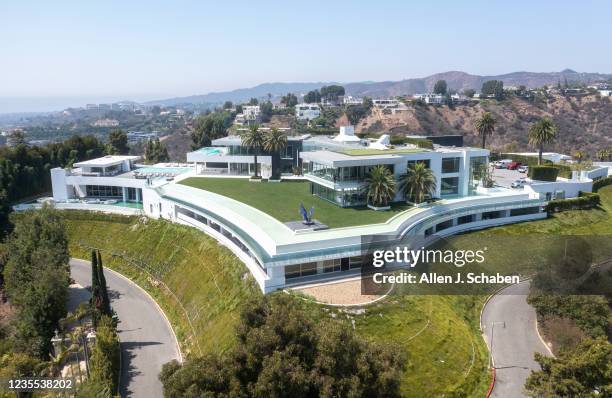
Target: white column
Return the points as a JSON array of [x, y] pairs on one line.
[[124, 194]]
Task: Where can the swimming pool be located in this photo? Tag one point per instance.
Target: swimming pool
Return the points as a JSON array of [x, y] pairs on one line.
[[153, 170], [209, 150]]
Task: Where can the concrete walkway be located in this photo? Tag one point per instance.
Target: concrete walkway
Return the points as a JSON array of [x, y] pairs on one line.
[[509, 325], [147, 340]]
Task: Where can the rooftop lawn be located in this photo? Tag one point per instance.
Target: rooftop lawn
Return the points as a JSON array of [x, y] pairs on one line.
[[366, 151], [282, 201]]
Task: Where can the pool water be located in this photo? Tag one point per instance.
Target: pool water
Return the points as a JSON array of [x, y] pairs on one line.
[[163, 170], [210, 151], [129, 204]]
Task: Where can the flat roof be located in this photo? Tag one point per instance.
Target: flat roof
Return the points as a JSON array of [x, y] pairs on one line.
[[108, 160]]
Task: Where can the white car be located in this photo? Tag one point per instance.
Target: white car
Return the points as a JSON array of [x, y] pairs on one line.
[[518, 184], [523, 169]]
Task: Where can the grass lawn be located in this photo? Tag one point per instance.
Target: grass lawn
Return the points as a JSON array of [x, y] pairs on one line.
[[282, 201]]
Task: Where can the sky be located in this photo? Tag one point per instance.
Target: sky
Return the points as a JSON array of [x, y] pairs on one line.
[[59, 53]]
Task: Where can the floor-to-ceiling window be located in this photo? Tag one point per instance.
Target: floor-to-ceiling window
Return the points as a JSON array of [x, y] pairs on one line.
[[449, 186], [104, 191], [478, 165]]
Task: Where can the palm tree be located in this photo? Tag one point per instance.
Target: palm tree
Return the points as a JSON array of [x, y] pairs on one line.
[[275, 141], [254, 139], [417, 182], [380, 186], [485, 126], [540, 133], [579, 155]]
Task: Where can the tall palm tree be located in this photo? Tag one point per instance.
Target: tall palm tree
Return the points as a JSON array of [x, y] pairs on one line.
[[579, 155], [380, 186], [275, 141], [540, 133], [254, 140], [417, 182], [485, 126]]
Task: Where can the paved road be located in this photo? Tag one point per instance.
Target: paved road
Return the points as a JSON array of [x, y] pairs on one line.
[[147, 341], [515, 339]]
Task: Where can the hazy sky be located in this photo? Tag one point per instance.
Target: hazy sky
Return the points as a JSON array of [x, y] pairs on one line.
[[140, 50]]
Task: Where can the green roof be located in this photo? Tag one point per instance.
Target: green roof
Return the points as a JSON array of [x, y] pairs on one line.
[[366, 151]]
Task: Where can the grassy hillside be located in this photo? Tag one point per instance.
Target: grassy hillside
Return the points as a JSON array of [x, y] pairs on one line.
[[206, 284]]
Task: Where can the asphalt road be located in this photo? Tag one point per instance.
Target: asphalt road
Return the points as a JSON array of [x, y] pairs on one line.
[[515, 339], [147, 341]]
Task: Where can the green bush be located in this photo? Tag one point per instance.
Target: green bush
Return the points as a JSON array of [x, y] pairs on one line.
[[543, 173], [601, 183], [105, 356], [586, 200]]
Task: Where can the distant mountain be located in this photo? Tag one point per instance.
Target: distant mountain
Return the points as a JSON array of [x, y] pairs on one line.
[[456, 80]]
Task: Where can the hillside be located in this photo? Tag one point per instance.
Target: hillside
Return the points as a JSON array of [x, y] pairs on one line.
[[583, 122], [456, 80]]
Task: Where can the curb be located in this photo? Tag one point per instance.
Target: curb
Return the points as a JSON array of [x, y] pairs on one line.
[[161, 311]]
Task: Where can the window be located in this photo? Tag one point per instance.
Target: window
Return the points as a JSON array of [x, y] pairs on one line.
[[297, 270], [491, 215], [449, 186], [450, 165], [104, 191], [331, 265], [444, 225], [426, 162], [465, 219], [354, 262], [524, 211]]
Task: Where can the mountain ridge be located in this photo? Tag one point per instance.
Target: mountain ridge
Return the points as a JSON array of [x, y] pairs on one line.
[[456, 80]]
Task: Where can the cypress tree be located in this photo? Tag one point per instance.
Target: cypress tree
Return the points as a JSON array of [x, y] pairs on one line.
[[106, 308], [95, 289]]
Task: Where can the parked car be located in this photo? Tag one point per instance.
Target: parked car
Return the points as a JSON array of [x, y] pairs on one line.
[[502, 164], [523, 169], [518, 184], [513, 165]]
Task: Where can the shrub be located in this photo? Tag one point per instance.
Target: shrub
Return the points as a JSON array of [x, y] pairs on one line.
[[105, 356], [543, 173], [601, 183], [420, 142], [586, 200]]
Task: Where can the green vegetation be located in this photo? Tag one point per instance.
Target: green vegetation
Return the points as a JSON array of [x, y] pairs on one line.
[[155, 152], [282, 201], [36, 279], [254, 139], [24, 170], [209, 127], [117, 143], [542, 132], [283, 352], [104, 367], [200, 285], [584, 370], [586, 200], [493, 87], [418, 182], [380, 185], [366, 152], [440, 87], [602, 182], [485, 126], [420, 142], [543, 173]]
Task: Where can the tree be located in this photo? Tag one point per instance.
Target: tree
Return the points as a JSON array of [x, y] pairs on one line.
[[106, 306], [485, 126], [542, 132], [579, 155], [96, 299], [253, 101], [581, 371], [468, 92], [290, 100], [155, 152], [228, 105], [105, 358], [118, 143], [209, 127], [312, 97], [282, 352], [380, 186], [265, 111], [440, 87], [493, 87], [332, 93], [254, 140], [17, 137], [36, 278], [275, 141], [417, 182]]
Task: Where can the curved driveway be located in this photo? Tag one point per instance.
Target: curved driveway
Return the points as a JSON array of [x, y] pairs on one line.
[[147, 340], [512, 323]]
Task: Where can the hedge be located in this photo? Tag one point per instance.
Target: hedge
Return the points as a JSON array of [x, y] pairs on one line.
[[585, 201], [532, 161], [602, 183], [543, 173], [420, 142]]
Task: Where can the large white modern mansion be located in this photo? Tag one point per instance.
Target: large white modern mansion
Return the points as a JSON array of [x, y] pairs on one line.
[[279, 254]]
